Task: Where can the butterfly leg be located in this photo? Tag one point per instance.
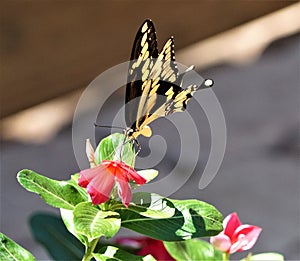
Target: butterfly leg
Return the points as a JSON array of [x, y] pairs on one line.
[[139, 147]]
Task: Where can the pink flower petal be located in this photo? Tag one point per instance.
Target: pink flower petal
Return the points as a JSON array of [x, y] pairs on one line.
[[132, 174], [132, 242], [123, 171], [221, 242], [236, 237], [146, 246], [156, 248], [82, 181], [231, 223], [88, 174], [124, 191], [96, 196], [100, 181], [248, 234], [101, 186], [237, 246]]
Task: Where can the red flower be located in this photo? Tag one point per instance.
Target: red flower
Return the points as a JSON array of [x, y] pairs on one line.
[[146, 246], [100, 181], [235, 237]]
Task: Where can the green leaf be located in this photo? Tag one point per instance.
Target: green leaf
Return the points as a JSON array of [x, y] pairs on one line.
[[68, 219], [148, 174], [150, 205], [82, 191], [114, 147], [11, 251], [200, 218], [94, 223], [50, 231], [265, 257], [193, 249], [59, 194], [180, 219], [111, 253]]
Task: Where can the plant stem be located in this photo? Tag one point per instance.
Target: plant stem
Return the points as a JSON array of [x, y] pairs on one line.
[[248, 257], [225, 257], [89, 249]]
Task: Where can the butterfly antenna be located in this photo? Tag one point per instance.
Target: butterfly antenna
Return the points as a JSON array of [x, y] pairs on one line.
[[107, 126], [124, 142]]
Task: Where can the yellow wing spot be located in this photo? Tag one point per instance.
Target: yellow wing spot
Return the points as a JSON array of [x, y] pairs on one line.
[[172, 78], [161, 56], [144, 39], [133, 66], [144, 28], [150, 103], [145, 56], [154, 89], [155, 81], [137, 63], [167, 45], [151, 63], [168, 56], [168, 74], [146, 66], [181, 96], [170, 93], [145, 75], [178, 105], [146, 84], [156, 69], [165, 72], [166, 66], [144, 49]]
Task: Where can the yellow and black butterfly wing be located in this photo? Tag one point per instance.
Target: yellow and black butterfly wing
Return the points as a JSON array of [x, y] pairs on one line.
[[149, 75], [154, 80], [144, 47], [163, 75]]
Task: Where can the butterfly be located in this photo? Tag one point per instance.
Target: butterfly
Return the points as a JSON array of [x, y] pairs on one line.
[[153, 87]]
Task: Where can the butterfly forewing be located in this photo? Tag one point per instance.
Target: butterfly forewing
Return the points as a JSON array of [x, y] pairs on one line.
[[144, 47]]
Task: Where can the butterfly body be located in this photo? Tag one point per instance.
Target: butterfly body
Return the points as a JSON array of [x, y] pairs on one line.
[[154, 85]]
